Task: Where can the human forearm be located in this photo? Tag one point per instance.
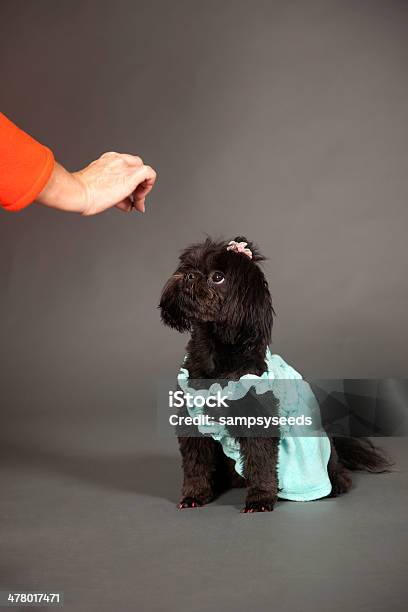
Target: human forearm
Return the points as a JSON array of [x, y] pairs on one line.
[[63, 191]]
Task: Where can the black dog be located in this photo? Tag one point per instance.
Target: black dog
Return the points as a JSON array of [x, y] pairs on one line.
[[221, 296]]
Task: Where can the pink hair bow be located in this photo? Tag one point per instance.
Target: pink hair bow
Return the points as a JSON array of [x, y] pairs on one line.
[[239, 247]]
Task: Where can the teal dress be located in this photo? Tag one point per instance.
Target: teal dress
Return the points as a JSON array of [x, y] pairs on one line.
[[302, 459]]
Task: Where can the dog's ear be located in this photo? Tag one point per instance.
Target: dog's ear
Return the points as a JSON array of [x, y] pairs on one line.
[[170, 311], [247, 314]]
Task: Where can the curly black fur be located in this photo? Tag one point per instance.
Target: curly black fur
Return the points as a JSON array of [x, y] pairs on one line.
[[230, 324]]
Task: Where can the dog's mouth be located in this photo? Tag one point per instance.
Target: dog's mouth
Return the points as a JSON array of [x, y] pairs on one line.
[[199, 304]]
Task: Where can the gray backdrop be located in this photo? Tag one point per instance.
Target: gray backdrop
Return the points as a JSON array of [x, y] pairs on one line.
[[283, 121]]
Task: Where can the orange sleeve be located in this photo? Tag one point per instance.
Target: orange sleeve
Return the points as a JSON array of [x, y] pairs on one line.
[[25, 166]]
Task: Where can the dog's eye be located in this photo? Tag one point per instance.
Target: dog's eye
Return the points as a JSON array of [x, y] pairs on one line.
[[190, 276], [217, 278]]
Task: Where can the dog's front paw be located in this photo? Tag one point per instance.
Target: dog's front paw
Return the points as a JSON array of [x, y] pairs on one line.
[[189, 502], [261, 505]]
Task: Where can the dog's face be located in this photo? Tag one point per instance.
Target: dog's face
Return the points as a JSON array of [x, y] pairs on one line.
[[222, 287]]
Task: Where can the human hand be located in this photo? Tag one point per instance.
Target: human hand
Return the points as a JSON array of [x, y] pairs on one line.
[[115, 179]]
